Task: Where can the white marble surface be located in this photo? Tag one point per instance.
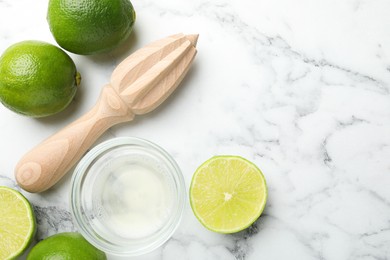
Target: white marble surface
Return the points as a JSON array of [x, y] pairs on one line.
[[301, 88]]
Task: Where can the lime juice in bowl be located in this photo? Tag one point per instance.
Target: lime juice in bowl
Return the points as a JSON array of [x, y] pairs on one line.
[[127, 196]]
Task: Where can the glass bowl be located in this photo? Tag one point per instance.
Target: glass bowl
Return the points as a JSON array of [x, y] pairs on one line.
[[127, 196]]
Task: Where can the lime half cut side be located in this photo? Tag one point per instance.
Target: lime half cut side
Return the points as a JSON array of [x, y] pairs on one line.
[[17, 223], [228, 193]]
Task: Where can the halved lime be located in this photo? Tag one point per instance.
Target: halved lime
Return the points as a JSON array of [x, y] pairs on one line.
[[228, 193], [17, 223]]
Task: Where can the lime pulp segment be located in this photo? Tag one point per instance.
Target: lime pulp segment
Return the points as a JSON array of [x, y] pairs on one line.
[[17, 223], [228, 193]]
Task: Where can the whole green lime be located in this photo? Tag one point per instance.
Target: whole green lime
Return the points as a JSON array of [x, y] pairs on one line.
[[65, 246], [90, 26], [37, 79]]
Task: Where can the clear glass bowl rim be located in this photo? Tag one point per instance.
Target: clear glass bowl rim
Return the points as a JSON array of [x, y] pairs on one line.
[[76, 182]]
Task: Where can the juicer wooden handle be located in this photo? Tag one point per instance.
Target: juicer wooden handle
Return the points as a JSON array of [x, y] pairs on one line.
[[48, 162]]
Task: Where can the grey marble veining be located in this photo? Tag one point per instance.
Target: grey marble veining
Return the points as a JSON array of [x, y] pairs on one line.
[[301, 88], [52, 220]]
